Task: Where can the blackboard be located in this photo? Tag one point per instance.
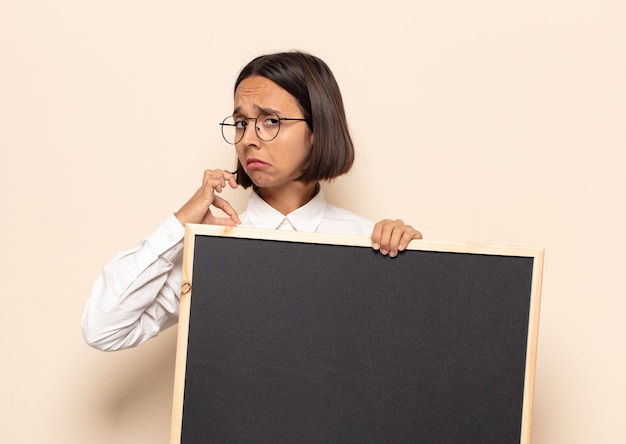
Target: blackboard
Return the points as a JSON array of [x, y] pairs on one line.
[[309, 338]]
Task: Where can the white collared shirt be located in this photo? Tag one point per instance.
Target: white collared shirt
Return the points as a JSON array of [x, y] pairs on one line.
[[138, 293], [317, 216]]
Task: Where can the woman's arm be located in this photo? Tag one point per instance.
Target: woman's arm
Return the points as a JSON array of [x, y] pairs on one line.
[[138, 293]]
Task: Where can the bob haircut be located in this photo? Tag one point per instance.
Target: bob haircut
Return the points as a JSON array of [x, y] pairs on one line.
[[310, 81]]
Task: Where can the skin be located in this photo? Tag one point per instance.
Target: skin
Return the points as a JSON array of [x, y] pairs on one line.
[[273, 167]]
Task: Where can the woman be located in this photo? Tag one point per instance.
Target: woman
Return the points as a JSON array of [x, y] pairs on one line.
[[290, 132]]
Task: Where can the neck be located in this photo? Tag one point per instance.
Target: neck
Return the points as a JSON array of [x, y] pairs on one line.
[[290, 198]]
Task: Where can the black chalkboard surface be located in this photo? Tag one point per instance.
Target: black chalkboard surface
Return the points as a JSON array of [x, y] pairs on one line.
[[309, 338]]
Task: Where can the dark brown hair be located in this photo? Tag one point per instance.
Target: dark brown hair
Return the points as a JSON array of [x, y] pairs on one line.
[[310, 81]]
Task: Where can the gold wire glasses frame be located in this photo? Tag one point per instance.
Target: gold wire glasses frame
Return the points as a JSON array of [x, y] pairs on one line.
[[266, 126]]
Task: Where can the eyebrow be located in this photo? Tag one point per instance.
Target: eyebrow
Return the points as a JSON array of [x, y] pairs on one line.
[[262, 110]]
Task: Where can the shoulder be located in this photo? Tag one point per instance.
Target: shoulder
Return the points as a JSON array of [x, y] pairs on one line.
[[341, 221]]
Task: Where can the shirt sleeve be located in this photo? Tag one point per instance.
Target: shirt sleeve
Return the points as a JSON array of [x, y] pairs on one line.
[[138, 293]]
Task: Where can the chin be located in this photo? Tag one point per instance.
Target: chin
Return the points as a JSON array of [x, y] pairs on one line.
[[261, 183]]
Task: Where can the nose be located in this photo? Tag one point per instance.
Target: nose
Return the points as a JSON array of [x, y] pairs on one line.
[[250, 137]]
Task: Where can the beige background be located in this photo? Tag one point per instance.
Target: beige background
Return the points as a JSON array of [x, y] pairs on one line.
[[482, 121]]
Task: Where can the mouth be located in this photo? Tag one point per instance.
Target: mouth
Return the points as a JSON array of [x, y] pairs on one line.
[[254, 163]]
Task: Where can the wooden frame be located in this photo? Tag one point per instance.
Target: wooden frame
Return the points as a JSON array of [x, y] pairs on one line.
[[192, 231]]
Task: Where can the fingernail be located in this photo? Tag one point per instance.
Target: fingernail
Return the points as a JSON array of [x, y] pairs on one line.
[[384, 252], [376, 246]]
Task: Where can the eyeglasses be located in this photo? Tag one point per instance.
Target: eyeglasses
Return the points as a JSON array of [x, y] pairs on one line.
[[266, 125]]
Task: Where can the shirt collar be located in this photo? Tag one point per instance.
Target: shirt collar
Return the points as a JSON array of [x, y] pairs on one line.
[[306, 218]]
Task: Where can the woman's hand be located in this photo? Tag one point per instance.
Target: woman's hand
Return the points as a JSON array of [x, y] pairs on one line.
[[392, 236], [197, 210]]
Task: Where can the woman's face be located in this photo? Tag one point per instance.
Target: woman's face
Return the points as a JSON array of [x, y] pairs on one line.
[[278, 162]]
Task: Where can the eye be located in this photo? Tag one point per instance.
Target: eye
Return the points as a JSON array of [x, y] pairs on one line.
[[270, 121], [241, 124]]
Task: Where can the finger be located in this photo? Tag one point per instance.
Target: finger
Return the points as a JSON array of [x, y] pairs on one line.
[[409, 235], [232, 181], [218, 179], [387, 228], [228, 177], [214, 178], [395, 239], [223, 205], [377, 233]]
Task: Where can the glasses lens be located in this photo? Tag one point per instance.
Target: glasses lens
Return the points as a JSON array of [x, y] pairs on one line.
[[232, 130], [267, 126]]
